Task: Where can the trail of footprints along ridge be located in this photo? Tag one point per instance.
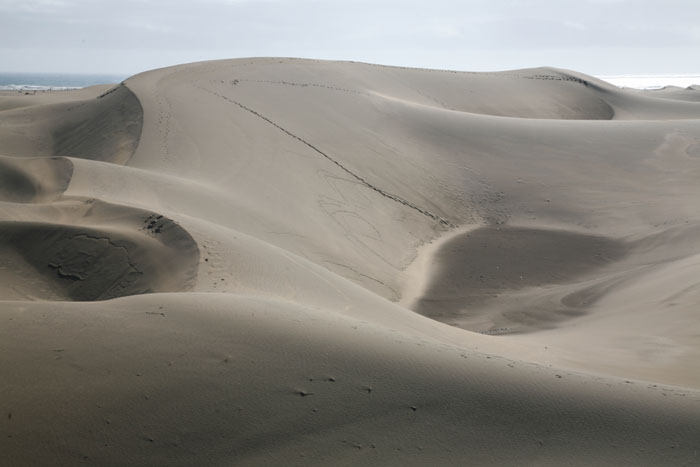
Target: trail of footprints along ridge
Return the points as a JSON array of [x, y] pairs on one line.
[[364, 182]]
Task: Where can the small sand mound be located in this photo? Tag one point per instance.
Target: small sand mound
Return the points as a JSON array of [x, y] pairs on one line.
[[33, 180]]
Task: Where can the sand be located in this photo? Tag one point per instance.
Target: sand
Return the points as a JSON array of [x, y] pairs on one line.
[[297, 262]]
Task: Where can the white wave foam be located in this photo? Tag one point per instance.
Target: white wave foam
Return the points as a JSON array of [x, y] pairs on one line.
[[32, 87]]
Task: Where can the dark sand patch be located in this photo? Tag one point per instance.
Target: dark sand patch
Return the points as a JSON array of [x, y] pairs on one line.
[[88, 263], [475, 268]]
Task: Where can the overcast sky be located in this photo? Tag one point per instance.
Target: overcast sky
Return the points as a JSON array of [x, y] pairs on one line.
[[129, 36]]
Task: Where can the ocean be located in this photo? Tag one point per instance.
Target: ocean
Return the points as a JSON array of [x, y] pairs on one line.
[[54, 81]]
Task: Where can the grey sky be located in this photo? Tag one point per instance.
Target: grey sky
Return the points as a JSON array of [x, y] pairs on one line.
[[128, 36]]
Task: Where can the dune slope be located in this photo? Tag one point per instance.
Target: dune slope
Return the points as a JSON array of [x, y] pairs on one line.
[[296, 262]]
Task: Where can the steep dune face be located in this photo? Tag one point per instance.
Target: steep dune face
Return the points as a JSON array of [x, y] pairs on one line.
[[105, 128], [271, 249]]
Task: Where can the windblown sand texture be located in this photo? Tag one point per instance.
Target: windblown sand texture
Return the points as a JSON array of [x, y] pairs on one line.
[[263, 262]]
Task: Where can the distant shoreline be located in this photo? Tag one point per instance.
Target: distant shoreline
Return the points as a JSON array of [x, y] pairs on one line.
[[54, 81]]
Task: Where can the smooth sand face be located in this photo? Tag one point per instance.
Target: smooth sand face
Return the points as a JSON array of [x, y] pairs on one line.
[[283, 262]]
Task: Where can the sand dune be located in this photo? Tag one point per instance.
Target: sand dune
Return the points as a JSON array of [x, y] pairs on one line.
[[296, 262]]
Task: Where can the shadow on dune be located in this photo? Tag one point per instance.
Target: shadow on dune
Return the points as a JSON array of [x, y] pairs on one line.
[[102, 253], [477, 267], [105, 129]]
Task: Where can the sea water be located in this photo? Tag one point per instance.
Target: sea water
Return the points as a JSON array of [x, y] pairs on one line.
[[53, 81]]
